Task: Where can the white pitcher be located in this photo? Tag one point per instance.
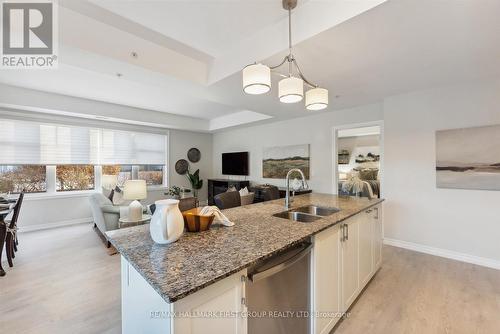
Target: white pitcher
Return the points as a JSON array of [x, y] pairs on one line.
[[167, 223]]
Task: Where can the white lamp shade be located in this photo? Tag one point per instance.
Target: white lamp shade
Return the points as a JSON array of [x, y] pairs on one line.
[[291, 90], [135, 189], [256, 79], [109, 182], [316, 99]]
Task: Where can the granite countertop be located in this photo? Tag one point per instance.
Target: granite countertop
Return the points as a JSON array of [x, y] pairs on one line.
[[197, 260]]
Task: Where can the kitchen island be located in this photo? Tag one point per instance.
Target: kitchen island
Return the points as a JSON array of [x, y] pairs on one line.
[[206, 271]]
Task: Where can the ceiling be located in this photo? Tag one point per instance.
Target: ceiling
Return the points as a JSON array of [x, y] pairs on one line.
[[208, 26], [190, 53]]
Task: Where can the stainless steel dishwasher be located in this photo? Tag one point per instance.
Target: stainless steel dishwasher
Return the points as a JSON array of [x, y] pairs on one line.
[[277, 293]]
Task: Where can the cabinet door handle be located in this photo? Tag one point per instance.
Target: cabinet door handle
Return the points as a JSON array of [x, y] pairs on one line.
[[376, 214], [343, 232], [347, 227]]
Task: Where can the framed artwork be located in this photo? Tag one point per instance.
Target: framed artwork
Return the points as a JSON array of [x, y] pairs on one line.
[[277, 161], [468, 158]]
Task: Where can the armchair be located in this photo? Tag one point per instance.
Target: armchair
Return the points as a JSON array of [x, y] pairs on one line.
[[105, 214]]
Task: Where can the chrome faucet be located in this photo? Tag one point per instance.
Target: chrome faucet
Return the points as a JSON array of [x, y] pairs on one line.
[[304, 186]]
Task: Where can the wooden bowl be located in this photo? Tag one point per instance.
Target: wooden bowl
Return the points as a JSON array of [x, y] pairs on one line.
[[194, 222]]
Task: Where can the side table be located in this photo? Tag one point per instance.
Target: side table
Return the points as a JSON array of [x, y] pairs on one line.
[[125, 222]]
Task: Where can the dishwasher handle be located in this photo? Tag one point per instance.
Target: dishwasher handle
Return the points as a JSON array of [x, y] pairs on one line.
[[258, 275]]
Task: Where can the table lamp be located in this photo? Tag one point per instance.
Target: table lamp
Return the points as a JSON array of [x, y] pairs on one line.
[[135, 190], [109, 182]]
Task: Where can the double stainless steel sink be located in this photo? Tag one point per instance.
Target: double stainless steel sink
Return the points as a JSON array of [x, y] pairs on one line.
[[307, 214]]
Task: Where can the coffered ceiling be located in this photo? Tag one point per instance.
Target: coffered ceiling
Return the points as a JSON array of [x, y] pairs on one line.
[[185, 57]]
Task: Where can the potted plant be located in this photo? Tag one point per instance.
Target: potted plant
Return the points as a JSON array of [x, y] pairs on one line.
[[195, 181], [176, 192]]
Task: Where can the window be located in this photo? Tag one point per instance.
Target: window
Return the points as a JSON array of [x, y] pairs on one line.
[[74, 177], [49, 157], [27, 178], [123, 172], [153, 174]]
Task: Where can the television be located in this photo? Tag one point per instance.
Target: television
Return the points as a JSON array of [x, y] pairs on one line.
[[235, 163]]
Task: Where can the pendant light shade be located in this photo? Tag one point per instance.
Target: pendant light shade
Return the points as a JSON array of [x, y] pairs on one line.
[[316, 99], [291, 90], [256, 79]]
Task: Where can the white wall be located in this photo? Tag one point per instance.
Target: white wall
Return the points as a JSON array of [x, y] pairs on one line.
[[461, 224], [463, 221], [313, 130], [180, 143]]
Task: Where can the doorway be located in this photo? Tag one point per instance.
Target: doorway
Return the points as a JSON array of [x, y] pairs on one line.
[[358, 160]]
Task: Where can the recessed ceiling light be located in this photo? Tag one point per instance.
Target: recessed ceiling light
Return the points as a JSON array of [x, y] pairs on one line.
[[134, 54]]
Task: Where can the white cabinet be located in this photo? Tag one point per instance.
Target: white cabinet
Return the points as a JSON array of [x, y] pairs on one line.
[[350, 260], [143, 310], [377, 237], [214, 309], [360, 252], [344, 259], [326, 280], [223, 299], [365, 247]]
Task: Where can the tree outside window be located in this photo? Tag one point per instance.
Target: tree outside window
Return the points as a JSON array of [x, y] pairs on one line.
[[124, 172], [27, 178], [74, 177], [152, 174]]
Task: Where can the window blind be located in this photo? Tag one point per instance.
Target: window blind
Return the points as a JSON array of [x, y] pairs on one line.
[[132, 148], [27, 143]]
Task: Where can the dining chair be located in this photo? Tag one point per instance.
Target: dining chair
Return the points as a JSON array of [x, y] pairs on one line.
[[227, 200], [11, 240]]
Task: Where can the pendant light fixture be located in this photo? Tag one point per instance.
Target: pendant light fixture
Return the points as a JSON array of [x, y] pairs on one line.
[[257, 77]]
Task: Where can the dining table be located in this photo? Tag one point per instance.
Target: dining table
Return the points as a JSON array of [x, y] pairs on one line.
[[4, 212]]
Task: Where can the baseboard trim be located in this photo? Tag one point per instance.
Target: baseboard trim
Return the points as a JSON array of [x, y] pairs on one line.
[[480, 261], [38, 227]]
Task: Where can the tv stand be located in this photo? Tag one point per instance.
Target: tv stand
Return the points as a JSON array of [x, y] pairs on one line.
[[218, 186]]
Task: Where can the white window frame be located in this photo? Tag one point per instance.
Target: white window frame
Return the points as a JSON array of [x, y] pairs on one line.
[[50, 177], [51, 191]]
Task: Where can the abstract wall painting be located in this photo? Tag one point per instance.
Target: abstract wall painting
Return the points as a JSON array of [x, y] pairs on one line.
[[468, 158]]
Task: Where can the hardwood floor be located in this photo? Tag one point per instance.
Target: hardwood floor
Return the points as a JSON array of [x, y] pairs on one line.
[[64, 281], [419, 293]]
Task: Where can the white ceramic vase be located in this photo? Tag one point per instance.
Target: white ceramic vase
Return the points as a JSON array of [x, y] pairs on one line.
[[167, 223]]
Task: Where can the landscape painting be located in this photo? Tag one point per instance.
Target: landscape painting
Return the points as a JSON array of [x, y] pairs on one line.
[[277, 161], [468, 158]]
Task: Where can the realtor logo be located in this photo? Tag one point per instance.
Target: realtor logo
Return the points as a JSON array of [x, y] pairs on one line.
[[29, 34]]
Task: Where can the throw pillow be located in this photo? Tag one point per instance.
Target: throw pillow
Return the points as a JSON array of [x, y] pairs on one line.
[[232, 188], [118, 196], [244, 191]]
